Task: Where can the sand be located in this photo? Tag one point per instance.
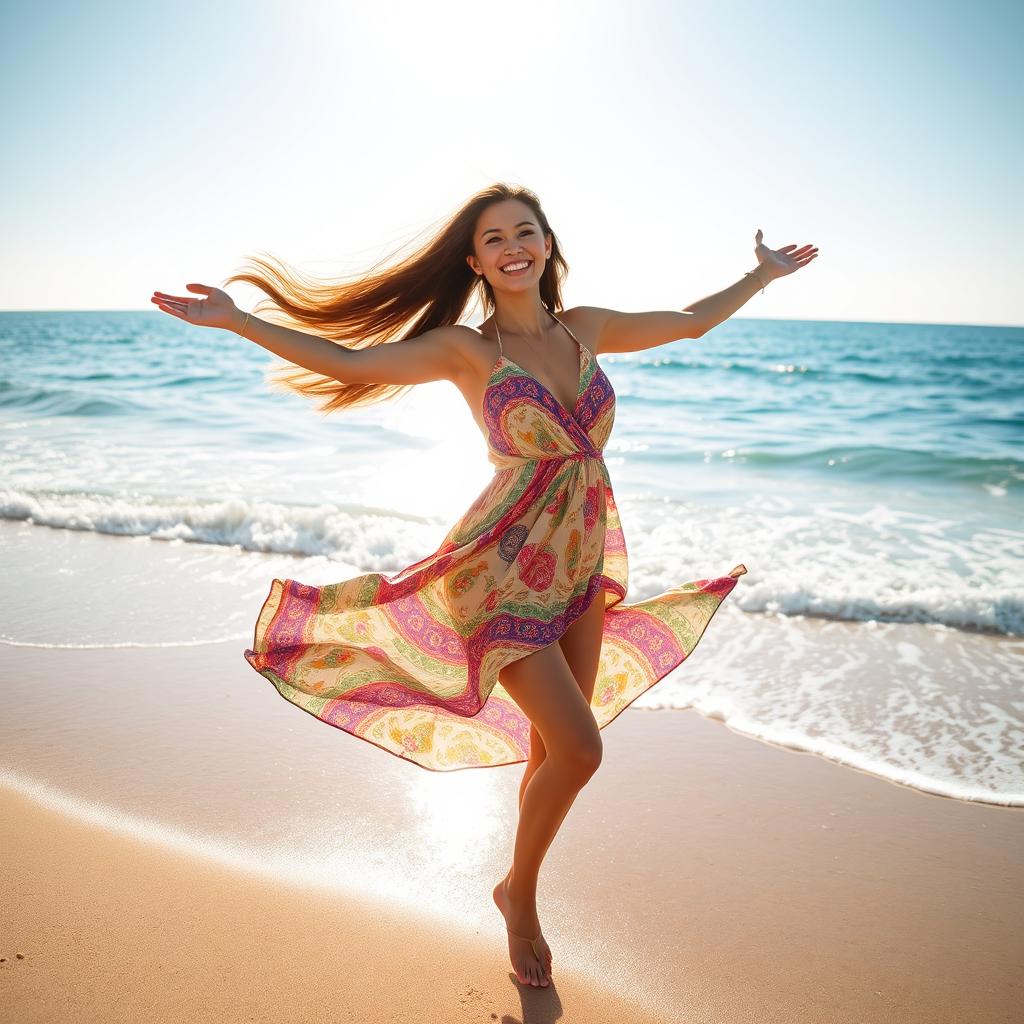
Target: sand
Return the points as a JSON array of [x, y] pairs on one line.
[[701, 876]]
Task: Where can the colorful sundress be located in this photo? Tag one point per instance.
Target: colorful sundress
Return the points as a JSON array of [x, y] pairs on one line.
[[410, 661]]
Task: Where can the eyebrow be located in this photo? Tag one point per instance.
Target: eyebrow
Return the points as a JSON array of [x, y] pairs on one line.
[[489, 230]]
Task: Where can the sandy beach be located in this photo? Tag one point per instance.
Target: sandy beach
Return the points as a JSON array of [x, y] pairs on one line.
[[701, 876]]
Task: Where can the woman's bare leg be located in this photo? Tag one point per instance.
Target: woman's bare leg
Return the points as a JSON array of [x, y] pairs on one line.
[[543, 685], [581, 645], [537, 754]]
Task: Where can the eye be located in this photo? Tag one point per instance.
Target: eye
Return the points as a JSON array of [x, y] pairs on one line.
[[494, 238]]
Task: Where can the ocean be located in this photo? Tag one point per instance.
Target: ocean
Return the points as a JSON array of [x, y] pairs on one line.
[[870, 476]]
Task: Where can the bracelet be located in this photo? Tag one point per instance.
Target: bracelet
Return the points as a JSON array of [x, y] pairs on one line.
[[753, 273], [242, 328]]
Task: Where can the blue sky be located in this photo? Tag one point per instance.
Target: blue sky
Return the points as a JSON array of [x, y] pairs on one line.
[[148, 145]]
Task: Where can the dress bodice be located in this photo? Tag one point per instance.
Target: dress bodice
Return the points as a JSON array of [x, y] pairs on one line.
[[526, 422]]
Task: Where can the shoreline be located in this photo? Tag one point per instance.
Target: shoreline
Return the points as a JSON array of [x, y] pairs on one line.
[[926, 706]]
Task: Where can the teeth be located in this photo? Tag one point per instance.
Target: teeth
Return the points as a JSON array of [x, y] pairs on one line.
[[515, 266]]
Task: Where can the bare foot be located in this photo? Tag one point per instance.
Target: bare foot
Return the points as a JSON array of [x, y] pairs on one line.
[[523, 922]]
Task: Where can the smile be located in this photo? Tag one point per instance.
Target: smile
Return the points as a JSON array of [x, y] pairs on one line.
[[517, 268]]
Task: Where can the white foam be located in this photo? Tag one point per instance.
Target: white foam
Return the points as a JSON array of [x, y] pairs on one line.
[[128, 643], [380, 540], [826, 561]]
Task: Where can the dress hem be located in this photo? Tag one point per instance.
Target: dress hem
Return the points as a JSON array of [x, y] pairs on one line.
[[722, 585]]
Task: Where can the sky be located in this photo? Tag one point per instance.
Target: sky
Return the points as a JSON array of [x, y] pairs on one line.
[[150, 145]]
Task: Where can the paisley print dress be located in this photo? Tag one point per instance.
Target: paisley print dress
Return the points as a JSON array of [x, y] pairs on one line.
[[410, 661]]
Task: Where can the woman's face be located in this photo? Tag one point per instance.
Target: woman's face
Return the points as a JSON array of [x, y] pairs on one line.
[[507, 235]]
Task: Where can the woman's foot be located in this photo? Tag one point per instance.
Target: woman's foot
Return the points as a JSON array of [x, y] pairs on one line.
[[521, 924]]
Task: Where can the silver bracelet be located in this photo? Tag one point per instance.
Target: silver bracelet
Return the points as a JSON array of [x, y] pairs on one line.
[[754, 273]]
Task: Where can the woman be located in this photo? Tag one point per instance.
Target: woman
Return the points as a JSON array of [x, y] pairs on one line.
[[511, 642]]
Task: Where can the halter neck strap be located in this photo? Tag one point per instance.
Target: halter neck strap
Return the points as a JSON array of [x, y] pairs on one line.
[[552, 315]]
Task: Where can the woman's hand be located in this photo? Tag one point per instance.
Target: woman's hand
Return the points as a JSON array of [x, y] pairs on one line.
[[780, 262], [216, 310]]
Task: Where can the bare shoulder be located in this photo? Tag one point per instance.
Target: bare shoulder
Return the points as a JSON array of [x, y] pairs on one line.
[[587, 323], [477, 352], [470, 354]]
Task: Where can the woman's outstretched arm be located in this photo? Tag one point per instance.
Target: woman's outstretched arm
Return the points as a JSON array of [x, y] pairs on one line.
[[634, 332], [438, 354]]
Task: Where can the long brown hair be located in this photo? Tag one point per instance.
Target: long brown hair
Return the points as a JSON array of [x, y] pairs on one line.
[[431, 287]]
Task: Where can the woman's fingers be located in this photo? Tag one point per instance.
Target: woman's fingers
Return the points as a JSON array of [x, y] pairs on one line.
[[175, 303], [175, 298], [173, 312]]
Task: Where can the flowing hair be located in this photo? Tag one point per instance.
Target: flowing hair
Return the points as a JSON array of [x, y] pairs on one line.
[[432, 287]]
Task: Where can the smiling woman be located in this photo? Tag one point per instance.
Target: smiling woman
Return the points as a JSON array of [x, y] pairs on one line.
[[512, 641]]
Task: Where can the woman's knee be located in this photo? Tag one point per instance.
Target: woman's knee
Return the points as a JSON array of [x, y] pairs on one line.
[[562, 721], [583, 757], [592, 754]]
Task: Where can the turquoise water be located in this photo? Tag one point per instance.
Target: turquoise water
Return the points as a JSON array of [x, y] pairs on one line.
[[860, 471]]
